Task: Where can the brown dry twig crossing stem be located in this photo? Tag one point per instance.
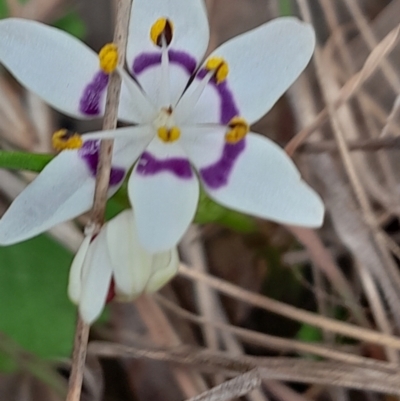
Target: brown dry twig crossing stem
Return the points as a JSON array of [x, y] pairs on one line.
[[102, 182]]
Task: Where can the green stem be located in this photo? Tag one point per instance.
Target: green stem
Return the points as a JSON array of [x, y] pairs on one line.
[[24, 160]]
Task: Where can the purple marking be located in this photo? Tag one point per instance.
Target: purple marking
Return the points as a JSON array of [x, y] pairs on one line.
[[89, 152], [145, 60], [89, 103], [217, 175], [149, 165], [228, 108]]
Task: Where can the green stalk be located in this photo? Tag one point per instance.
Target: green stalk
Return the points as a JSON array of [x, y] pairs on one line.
[[24, 160]]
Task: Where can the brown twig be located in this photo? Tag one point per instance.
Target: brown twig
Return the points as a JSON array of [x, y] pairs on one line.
[[102, 183], [78, 361]]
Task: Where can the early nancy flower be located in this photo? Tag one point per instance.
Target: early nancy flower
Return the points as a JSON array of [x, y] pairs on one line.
[[115, 262], [189, 121]]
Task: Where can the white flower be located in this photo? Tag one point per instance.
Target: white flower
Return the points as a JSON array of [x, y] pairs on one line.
[[189, 121], [115, 261]]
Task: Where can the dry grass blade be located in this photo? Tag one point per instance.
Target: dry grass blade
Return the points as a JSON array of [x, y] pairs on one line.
[[237, 387], [384, 378], [368, 145], [267, 341], [323, 259], [348, 90], [163, 334], [291, 312]]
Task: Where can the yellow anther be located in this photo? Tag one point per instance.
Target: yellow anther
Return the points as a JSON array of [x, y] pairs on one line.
[[219, 66], [108, 57], [64, 139], [238, 130], [169, 134], [162, 27]]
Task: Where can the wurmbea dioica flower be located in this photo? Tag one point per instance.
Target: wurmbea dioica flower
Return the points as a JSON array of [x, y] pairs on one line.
[[189, 121], [115, 263]]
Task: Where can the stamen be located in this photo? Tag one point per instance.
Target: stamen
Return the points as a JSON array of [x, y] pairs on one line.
[[238, 130], [64, 139], [162, 28], [108, 57], [220, 68], [169, 135]]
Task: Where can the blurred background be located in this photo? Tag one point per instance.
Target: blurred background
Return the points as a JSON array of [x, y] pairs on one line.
[[318, 311]]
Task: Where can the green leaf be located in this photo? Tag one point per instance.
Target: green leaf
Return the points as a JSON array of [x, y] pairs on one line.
[[73, 24], [209, 211], [309, 333], [285, 8], [4, 12], [34, 308], [113, 208]]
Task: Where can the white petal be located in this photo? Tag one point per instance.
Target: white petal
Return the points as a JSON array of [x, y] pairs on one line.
[[153, 83], [135, 106], [165, 267], [65, 188], [62, 191], [60, 68], [164, 82], [265, 182], [164, 192], [189, 18], [51, 63], [132, 265], [75, 272], [96, 280], [203, 144], [263, 63]]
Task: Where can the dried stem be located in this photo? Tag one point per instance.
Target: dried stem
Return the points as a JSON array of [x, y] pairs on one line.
[[78, 361], [102, 183]]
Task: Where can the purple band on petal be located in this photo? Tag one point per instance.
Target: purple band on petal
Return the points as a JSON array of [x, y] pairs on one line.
[[149, 165], [89, 152], [217, 175], [228, 106], [146, 60], [89, 103]]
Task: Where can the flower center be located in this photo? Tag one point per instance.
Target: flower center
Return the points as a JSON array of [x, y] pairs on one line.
[[164, 123], [169, 135], [108, 57], [238, 130]]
